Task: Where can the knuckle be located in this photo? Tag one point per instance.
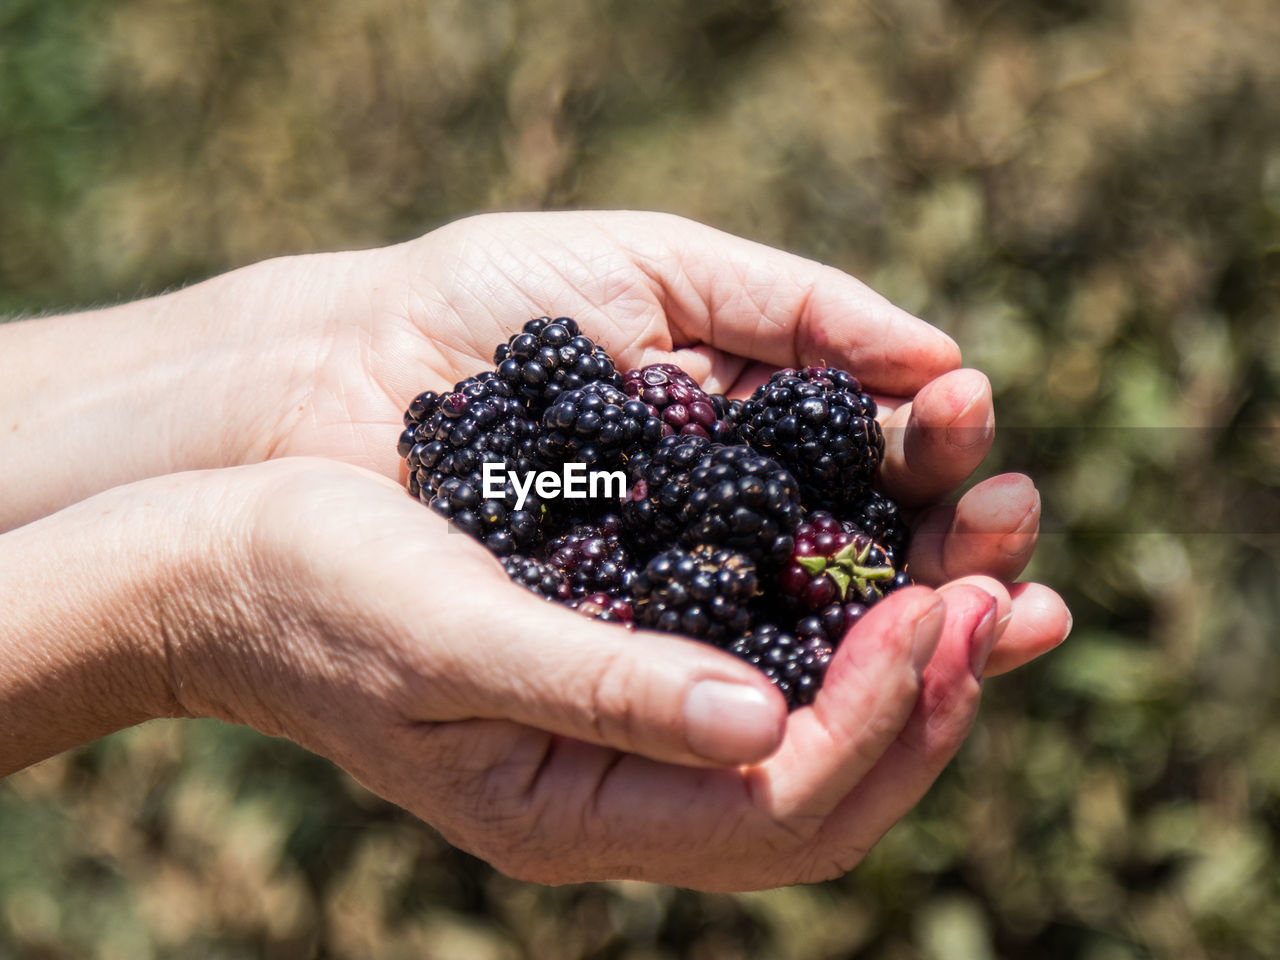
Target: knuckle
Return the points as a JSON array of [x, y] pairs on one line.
[[612, 703]]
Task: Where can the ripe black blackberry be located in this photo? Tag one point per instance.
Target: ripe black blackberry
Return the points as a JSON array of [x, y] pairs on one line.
[[817, 422], [834, 563], [830, 624], [541, 578], [795, 666], [740, 499], [703, 593], [481, 421], [598, 425], [727, 414], [659, 489], [673, 397], [456, 424], [593, 558], [549, 357], [879, 518]]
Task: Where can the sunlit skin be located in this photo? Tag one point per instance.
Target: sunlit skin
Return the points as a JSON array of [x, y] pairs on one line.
[[315, 599]]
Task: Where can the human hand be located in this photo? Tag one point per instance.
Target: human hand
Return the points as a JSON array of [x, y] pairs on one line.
[[319, 355], [329, 607], [656, 288]]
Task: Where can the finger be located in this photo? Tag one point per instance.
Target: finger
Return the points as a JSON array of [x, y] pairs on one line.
[[942, 718], [1039, 621], [990, 586], [992, 530], [781, 309], [938, 439], [867, 694], [659, 695]]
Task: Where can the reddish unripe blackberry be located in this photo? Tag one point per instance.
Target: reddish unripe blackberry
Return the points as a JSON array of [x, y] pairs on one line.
[[831, 564], [740, 499], [703, 593], [593, 559], [795, 666], [541, 578], [673, 397], [817, 422], [549, 357], [598, 425]]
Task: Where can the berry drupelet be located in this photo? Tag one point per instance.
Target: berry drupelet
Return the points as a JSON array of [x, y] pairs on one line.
[[817, 422], [703, 593]]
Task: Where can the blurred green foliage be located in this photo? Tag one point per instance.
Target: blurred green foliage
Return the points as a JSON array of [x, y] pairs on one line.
[[1085, 194]]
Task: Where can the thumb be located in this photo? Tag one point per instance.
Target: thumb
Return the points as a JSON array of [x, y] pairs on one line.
[[662, 696]]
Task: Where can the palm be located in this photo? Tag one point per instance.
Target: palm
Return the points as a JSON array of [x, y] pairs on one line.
[[442, 303]]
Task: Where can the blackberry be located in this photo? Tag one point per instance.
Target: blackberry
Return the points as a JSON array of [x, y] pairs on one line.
[[740, 499], [607, 608], [659, 490], [880, 519], [817, 422], [727, 414], [593, 558], [830, 624], [549, 357], [702, 594], [480, 421], [460, 424], [598, 425], [673, 397], [795, 666], [832, 564], [541, 578]]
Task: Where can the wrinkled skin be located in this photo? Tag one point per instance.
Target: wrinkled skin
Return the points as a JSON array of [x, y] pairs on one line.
[[328, 606]]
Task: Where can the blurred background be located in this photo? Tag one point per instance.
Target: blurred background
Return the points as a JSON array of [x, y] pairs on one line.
[[1085, 194]]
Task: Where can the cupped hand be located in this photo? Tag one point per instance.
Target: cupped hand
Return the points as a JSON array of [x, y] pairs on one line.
[[332, 609], [651, 288]]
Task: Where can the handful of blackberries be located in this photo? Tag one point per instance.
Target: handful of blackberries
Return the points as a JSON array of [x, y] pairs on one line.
[[753, 525]]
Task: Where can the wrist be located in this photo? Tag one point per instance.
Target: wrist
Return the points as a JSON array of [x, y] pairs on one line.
[[81, 649], [199, 378]]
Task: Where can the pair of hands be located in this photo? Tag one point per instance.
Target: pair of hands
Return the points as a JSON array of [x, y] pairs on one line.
[[308, 596]]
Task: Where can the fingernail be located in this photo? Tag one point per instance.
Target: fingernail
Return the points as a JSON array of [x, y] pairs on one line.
[[972, 425], [982, 640], [731, 723], [1023, 537], [1003, 623], [925, 639]]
